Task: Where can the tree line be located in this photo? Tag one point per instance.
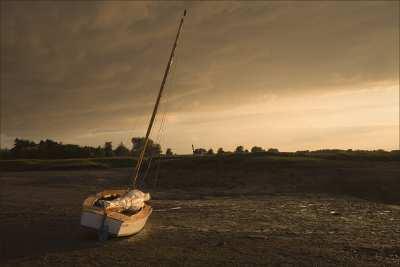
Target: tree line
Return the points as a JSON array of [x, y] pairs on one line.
[[238, 150], [49, 149], [344, 154]]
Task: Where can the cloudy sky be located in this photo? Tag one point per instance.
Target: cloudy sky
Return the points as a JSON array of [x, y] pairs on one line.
[[291, 75]]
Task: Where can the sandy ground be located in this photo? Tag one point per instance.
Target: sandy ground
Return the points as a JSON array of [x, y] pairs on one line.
[[40, 213]]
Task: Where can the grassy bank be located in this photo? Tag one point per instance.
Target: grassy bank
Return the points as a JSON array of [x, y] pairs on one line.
[[369, 178], [64, 164], [184, 161]]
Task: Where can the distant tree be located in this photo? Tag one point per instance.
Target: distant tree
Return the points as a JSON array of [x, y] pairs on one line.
[[169, 153], [199, 151], [210, 151], [99, 151], [24, 149], [273, 151], [246, 151], [75, 151], [121, 151], [220, 151], [152, 148], [50, 149], [256, 149], [302, 152], [239, 149], [108, 149]]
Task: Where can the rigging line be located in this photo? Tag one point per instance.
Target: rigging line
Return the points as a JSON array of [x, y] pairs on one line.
[[163, 124], [149, 159], [153, 115], [157, 141], [159, 135], [162, 128]]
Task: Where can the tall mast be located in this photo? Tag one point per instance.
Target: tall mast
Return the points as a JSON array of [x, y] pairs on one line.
[[142, 153]]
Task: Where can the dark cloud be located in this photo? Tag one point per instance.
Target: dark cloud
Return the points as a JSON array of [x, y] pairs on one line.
[[69, 68]]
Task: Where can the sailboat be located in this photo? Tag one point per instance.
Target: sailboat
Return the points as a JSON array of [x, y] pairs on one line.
[[124, 212]]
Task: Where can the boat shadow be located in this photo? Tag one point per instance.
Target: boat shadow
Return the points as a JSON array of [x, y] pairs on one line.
[[37, 238]]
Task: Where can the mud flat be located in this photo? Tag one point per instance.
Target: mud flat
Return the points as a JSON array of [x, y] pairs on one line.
[[260, 223]]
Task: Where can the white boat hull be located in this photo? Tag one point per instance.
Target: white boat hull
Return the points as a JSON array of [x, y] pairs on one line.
[[118, 224]]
